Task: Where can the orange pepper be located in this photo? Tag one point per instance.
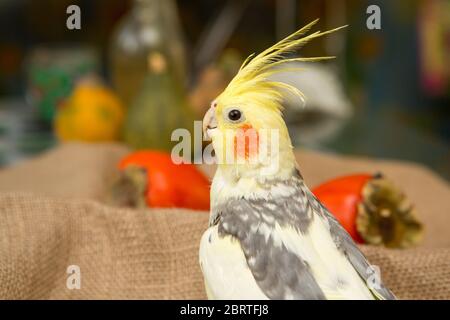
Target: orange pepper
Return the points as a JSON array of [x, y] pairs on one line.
[[372, 210], [341, 196], [170, 184]]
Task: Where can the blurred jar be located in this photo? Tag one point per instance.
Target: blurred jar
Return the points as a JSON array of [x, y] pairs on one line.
[[159, 108], [151, 25]]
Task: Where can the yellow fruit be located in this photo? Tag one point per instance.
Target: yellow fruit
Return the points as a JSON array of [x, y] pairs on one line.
[[91, 113]]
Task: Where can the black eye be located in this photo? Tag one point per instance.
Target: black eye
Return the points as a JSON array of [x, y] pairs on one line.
[[234, 115]]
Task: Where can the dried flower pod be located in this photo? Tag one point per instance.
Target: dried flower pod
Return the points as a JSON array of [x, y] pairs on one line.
[[372, 210]]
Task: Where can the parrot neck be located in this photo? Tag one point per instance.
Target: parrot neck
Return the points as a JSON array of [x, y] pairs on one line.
[[233, 180]]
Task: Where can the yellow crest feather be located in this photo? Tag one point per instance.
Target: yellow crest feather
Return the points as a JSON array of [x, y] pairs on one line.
[[252, 80]]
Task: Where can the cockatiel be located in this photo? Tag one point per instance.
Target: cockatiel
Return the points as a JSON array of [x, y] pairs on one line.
[[268, 236]]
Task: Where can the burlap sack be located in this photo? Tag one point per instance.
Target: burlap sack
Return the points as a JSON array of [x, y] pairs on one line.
[[52, 217]]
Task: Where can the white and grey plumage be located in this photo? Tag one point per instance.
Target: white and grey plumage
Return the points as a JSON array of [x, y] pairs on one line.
[[283, 246]]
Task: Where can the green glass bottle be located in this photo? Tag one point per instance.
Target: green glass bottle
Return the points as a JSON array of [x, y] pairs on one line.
[[159, 108], [150, 25]]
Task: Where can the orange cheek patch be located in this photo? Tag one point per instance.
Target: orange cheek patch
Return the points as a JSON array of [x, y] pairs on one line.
[[246, 142]]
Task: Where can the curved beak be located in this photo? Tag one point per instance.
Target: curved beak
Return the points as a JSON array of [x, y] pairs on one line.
[[209, 122]]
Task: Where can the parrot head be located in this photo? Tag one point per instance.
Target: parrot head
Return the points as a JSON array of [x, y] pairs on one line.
[[245, 121]]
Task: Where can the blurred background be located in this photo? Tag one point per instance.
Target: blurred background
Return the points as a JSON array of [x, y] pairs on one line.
[[135, 70]]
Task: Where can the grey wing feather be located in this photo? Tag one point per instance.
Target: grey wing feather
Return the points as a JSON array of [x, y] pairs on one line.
[[345, 243], [279, 273], [271, 264]]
